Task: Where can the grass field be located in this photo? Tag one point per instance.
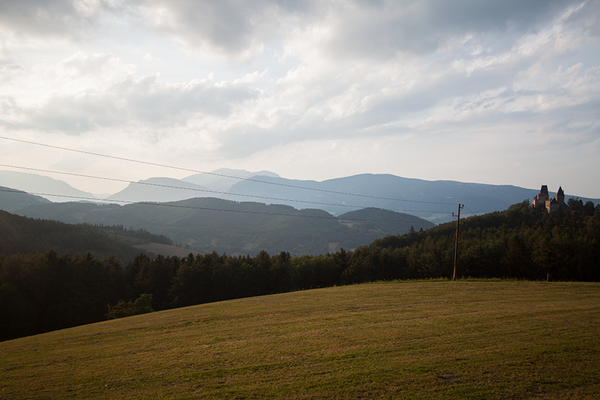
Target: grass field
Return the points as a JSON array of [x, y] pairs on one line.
[[413, 340]]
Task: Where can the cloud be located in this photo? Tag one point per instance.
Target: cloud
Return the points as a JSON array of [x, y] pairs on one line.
[[9, 71], [231, 29], [381, 30], [106, 65], [585, 18], [409, 60], [294, 73], [51, 18], [126, 102], [239, 30]]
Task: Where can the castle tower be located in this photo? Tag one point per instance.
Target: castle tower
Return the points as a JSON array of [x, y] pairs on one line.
[[551, 205], [541, 198], [560, 196], [557, 203]]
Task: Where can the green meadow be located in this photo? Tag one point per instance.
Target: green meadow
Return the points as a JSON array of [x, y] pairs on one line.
[[397, 340]]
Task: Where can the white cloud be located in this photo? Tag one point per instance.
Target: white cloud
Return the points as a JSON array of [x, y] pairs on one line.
[[130, 101], [233, 30], [52, 19], [104, 65], [239, 81]]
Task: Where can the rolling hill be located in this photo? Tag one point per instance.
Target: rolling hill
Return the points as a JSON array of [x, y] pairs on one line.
[[434, 201], [426, 340], [13, 199], [26, 235], [522, 242], [207, 224]]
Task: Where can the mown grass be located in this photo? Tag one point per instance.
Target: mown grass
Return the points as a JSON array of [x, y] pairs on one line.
[[413, 340]]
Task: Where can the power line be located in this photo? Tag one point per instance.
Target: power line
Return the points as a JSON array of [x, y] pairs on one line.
[[472, 213], [176, 187], [201, 190], [216, 174], [204, 208]]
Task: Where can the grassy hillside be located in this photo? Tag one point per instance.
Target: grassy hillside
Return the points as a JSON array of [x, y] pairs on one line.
[[478, 340]]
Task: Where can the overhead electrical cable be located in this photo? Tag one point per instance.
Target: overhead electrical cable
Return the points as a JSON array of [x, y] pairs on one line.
[[217, 174], [472, 213], [205, 208], [198, 189]]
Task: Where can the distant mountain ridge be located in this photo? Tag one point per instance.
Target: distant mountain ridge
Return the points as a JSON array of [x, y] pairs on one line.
[[213, 184], [222, 179], [159, 190], [434, 201], [46, 186], [431, 200]]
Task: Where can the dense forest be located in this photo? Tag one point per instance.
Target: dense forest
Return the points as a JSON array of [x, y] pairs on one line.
[[120, 231], [41, 292], [25, 235], [522, 242], [207, 224]]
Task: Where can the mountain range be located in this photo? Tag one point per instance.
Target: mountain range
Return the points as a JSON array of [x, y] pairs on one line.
[[43, 186], [435, 201], [207, 224]]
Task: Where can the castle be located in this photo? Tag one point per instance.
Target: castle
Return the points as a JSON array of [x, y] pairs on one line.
[[551, 205]]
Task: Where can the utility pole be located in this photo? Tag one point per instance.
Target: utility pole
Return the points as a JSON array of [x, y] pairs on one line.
[[460, 206]]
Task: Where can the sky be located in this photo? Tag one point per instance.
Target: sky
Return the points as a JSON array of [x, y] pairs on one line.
[[496, 92]]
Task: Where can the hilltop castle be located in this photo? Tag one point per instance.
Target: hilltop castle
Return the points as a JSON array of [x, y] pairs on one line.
[[551, 205]]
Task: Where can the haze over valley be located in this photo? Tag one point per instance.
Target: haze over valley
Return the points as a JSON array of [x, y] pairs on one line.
[[434, 201]]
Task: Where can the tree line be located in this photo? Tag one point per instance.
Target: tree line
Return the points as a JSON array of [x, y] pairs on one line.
[[42, 292], [23, 235], [119, 230], [247, 227]]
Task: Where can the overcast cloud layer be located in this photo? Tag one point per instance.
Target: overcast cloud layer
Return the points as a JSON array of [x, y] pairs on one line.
[[504, 92]]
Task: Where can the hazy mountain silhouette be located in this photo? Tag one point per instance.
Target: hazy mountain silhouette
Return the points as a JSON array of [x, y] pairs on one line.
[[42, 186], [160, 190], [222, 179], [431, 200], [214, 184]]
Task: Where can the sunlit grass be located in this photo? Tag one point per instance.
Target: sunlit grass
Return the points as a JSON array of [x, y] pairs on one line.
[[438, 339]]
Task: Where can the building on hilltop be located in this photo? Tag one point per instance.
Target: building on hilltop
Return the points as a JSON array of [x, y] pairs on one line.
[[551, 205], [541, 198]]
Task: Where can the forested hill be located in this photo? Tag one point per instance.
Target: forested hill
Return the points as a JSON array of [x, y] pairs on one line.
[[207, 224], [12, 199], [521, 242], [25, 235]]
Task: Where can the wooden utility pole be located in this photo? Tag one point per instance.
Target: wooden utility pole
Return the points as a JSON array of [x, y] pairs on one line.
[[460, 206]]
